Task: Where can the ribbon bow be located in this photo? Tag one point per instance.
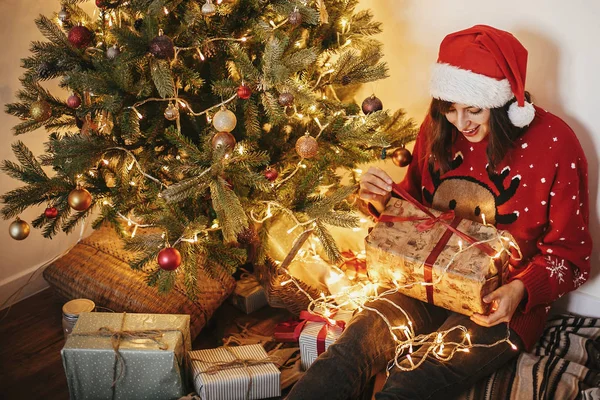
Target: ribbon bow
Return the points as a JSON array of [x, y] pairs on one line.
[[429, 223]]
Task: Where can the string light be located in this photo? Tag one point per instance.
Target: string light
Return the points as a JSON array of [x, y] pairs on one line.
[[360, 294]]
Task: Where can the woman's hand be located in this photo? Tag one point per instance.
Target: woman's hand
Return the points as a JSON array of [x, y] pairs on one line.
[[376, 187], [505, 301]]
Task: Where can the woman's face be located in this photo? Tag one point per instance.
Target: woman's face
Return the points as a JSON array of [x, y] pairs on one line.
[[472, 122]]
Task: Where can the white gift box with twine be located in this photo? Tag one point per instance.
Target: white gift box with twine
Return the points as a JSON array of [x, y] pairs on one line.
[[235, 373]]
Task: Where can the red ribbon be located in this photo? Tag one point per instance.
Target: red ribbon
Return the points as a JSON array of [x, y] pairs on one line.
[[428, 223]]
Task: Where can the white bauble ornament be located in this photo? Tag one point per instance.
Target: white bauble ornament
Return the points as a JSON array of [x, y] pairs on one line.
[[224, 120]]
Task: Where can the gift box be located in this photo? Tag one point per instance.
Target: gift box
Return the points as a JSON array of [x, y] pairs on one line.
[[411, 245], [248, 294], [318, 333], [235, 373], [127, 356]]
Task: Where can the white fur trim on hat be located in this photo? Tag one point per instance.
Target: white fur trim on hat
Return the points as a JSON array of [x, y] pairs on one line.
[[462, 86], [521, 116]]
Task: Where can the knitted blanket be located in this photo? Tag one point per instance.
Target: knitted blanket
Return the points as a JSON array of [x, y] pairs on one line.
[[565, 364]]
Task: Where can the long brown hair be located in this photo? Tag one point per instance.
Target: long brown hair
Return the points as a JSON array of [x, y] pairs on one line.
[[442, 134]]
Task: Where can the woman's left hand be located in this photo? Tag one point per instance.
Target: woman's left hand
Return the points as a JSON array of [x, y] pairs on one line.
[[505, 301]]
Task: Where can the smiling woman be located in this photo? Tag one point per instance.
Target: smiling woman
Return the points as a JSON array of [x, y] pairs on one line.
[[484, 153]]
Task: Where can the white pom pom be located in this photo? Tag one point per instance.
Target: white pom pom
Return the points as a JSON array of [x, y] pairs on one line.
[[521, 116]]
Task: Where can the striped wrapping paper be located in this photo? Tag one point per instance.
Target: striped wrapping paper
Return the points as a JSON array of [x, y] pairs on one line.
[[248, 295], [232, 384], [308, 338]]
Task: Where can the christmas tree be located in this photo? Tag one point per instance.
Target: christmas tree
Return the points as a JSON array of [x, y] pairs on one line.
[[192, 127]]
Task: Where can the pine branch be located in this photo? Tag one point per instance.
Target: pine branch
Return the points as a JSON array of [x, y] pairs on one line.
[[251, 120], [274, 110], [230, 212], [328, 243], [162, 78]]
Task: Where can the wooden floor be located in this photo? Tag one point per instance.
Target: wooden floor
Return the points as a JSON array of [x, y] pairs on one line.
[[31, 338]]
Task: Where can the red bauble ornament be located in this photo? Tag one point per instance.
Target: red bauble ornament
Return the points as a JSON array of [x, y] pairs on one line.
[[244, 91], [73, 101], [169, 259], [371, 104], [80, 36], [51, 212], [271, 174], [401, 157]]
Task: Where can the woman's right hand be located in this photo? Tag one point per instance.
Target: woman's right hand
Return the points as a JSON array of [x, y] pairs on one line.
[[376, 187]]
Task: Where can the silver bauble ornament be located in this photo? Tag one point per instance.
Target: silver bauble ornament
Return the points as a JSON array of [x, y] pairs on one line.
[[224, 120], [63, 15], [209, 9], [113, 52], [19, 229], [171, 112]]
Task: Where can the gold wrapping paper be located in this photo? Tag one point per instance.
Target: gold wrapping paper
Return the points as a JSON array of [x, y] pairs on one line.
[[396, 253]]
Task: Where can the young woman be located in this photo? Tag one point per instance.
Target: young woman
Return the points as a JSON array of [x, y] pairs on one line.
[[483, 149]]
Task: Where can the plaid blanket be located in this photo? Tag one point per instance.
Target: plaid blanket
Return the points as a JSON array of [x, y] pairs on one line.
[[565, 364]]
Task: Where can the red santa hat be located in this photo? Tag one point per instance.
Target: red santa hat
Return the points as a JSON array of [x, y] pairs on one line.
[[483, 67]]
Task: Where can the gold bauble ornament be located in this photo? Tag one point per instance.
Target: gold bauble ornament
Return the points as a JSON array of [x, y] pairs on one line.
[[307, 146], [401, 157], [19, 229], [171, 112], [224, 120], [40, 110], [80, 199], [223, 139]]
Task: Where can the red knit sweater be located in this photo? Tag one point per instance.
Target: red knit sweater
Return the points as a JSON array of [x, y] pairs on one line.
[[539, 194]]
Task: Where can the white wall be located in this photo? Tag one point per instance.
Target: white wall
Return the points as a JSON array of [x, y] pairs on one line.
[[563, 77]]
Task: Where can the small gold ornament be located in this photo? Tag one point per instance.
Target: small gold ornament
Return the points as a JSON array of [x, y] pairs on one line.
[[224, 120], [171, 112], [79, 199], [19, 229], [40, 110], [307, 146]]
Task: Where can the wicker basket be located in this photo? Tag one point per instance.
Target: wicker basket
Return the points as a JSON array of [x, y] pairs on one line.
[[97, 268], [271, 276]]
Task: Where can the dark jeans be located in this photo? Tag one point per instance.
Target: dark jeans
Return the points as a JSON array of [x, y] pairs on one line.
[[366, 346]]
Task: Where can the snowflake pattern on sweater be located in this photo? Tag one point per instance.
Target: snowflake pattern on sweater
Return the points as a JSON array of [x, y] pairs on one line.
[[539, 193]]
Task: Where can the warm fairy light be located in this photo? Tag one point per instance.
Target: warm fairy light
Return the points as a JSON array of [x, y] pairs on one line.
[[355, 229], [91, 173], [105, 161], [409, 358], [283, 283], [243, 39], [139, 115], [512, 345], [298, 44], [165, 11], [201, 55], [348, 42], [105, 203], [132, 183], [358, 171], [241, 149], [460, 248], [300, 116], [313, 108], [272, 23], [130, 166], [302, 165], [165, 168], [215, 225], [468, 337], [134, 231], [343, 22]]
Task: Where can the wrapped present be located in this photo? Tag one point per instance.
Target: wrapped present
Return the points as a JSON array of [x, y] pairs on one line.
[[289, 331], [354, 265], [437, 257], [235, 373], [318, 333], [248, 294], [127, 356]]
